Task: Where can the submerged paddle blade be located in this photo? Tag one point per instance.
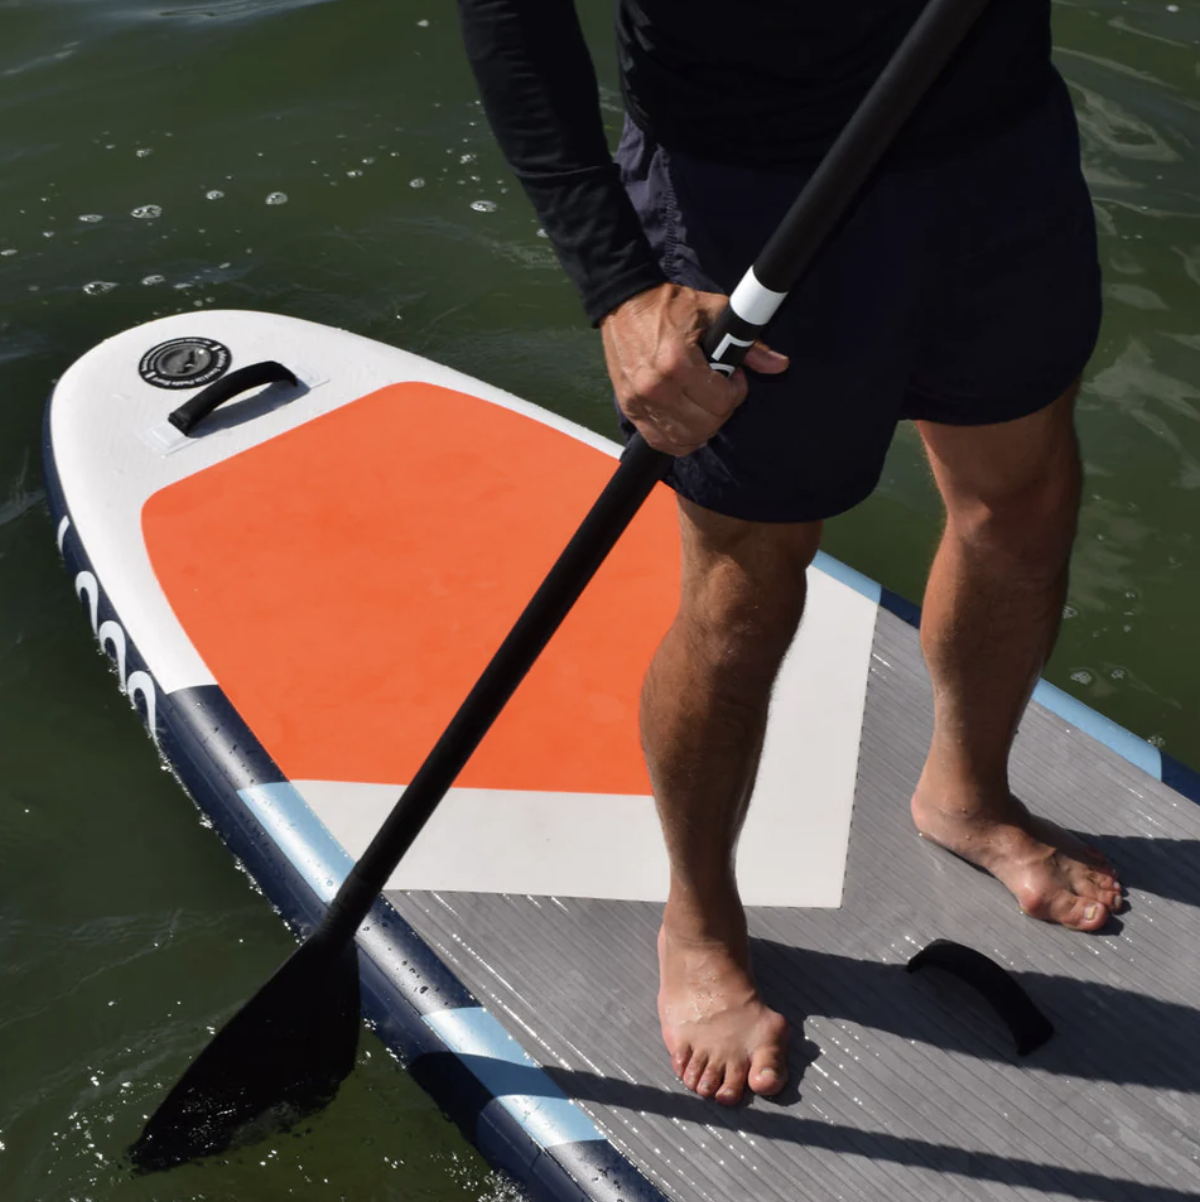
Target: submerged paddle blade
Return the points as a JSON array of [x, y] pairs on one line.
[[281, 1057]]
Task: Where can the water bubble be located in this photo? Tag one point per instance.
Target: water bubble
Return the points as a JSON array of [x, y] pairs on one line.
[[1069, 611], [214, 194], [12, 250], [416, 183], [145, 152], [1157, 740], [355, 174], [153, 279], [47, 233], [424, 22], [96, 287], [1083, 676], [483, 206], [368, 160], [1118, 674], [277, 198], [147, 211], [91, 218]]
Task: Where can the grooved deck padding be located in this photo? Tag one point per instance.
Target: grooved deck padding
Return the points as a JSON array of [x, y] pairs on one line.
[[903, 1086]]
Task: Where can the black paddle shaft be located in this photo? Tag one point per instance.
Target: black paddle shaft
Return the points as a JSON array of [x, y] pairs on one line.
[[916, 63]]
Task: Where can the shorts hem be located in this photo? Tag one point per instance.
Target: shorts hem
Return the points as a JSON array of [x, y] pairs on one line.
[[993, 414], [817, 509]]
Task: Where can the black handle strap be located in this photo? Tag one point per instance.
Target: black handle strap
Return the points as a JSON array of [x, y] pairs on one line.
[[225, 389], [1029, 1026]]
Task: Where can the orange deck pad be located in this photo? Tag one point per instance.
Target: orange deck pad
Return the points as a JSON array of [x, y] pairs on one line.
[[346, 583]]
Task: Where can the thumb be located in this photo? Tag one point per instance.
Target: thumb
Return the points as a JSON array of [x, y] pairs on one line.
[[761, 358]]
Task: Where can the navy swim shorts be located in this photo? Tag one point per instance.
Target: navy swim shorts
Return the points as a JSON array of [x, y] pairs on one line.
[[964, 292]]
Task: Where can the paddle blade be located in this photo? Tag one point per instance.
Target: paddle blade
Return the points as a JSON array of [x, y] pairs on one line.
[[281, 1057]]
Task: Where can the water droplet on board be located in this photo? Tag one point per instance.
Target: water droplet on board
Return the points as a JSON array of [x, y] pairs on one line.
[[277, 198], [1083, 676], [483, 206], [145, 152], [91, 218], [416, 183], [12, 250], [96, 287], [146, 212], [213, 194]]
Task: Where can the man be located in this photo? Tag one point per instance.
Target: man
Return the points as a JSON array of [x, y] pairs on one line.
[[962, 292]]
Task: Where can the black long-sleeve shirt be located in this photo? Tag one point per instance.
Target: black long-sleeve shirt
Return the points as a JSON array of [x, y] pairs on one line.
[[763, 83]]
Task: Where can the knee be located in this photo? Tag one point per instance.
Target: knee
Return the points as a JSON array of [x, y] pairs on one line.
[[1027, 526], [743, 602]]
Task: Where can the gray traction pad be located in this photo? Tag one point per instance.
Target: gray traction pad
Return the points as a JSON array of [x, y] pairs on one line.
[[903, 1086]]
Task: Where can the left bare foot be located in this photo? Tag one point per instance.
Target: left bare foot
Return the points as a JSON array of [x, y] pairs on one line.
[[1053, 875]]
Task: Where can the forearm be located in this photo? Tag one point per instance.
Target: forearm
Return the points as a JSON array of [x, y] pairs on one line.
[[539, 92]]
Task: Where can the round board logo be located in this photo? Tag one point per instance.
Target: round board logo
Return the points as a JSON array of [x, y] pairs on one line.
[[185, 363]]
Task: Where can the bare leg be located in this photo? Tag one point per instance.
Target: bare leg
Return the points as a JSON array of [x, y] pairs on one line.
[[992, 610], [704, 713]]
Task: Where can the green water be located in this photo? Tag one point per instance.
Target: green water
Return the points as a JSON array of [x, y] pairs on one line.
[[125, 929]]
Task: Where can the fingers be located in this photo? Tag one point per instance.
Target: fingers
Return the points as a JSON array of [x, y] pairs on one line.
[[663, 382], [680, 405], [761, 358]]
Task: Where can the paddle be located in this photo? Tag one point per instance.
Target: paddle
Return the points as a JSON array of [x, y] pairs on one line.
[[285, 1053]]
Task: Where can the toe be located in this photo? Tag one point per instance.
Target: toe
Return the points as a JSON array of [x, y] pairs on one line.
[[680, 1058], [695, 1069], [1094, 885], [710, 1080], [734, 1085], [768, 1072], [1079, 913]]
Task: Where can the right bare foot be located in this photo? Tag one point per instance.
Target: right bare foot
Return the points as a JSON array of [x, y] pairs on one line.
[[720, 1034]]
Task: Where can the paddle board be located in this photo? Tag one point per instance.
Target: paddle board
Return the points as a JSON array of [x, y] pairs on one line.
[[299, 589]]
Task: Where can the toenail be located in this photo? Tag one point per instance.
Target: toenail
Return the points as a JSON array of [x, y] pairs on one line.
[[1091, 912], [768, 1074]]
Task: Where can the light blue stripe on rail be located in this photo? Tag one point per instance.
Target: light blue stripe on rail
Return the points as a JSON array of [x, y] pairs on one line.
[[1124, 742], [848, 576], [545, 1113], [301, 836]]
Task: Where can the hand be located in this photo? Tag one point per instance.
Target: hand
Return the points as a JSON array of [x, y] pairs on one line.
[[663, 382]]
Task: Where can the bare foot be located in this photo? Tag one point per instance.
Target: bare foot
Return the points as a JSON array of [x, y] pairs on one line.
[[1053, 875], [720, 1035]]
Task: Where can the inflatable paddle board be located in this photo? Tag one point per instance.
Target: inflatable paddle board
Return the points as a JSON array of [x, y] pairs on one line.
[[300, 548]]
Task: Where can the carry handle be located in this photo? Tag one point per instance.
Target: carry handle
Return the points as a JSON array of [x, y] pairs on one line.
[[192, 411]]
